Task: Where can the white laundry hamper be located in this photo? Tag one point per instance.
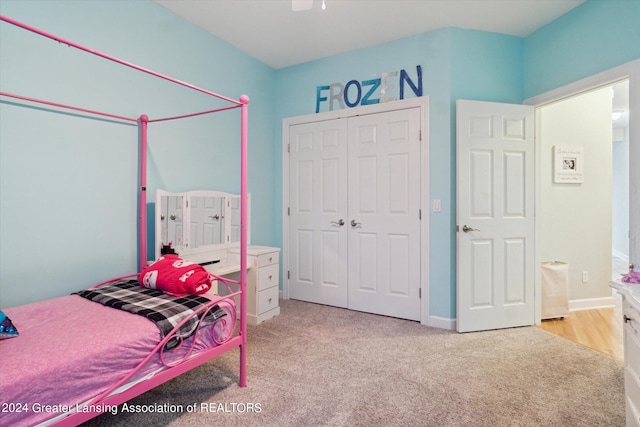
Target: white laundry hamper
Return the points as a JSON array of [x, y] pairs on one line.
[[555, 289]]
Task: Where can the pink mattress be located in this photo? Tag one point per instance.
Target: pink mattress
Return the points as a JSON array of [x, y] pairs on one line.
[[70, 349]]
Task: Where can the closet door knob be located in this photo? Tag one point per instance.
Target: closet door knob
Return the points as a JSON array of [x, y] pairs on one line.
[[354, 223], [339, 222]]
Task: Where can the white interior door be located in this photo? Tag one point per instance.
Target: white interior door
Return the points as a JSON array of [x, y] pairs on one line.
[[318, 212], [384, 213], [495, 215]]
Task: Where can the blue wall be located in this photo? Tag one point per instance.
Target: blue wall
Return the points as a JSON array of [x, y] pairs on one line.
[[68, 182], [596, 36]]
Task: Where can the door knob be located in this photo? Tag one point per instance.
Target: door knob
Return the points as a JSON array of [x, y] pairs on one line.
[[354, 223], [467, 229], [339, 222]]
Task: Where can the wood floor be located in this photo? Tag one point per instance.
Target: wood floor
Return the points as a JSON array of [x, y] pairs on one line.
[[599, 329]]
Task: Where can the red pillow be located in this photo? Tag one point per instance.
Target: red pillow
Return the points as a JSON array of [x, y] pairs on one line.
[[175, 276]]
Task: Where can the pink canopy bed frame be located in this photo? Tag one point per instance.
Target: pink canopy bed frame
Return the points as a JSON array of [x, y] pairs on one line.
[[237, 339]]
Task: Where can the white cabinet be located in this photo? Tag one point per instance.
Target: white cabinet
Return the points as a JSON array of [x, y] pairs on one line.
[[263, 279], [631, 315], [631, 310]]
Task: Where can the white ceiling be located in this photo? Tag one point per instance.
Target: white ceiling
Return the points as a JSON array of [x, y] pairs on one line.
[[271, 32]]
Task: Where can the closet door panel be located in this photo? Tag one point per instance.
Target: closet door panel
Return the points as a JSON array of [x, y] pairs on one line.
[[384, 207], [318, 199]]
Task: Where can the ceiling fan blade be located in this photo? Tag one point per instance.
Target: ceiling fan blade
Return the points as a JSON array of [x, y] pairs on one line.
[[299, 5]]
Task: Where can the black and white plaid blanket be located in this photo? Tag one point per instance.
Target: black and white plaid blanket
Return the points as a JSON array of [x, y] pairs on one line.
[[164, 310]]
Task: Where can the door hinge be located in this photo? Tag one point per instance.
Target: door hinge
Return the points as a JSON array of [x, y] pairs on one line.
[[420, 293], [419, 213], [420, 135], [288, 274], [288, 148], [289, 211]]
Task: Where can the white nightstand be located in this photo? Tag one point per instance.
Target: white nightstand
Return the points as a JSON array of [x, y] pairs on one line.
[[263, 279], [632, 361], [631, 316]]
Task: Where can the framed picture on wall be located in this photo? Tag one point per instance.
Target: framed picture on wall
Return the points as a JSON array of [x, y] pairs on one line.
[[568, 164]]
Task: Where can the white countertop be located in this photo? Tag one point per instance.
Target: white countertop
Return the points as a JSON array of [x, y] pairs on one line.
[[255, 250], [631, 292]]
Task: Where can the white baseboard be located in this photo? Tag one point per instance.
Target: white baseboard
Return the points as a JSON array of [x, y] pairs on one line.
[[591, 303], [441, 323], [620, 255], [574, 305]]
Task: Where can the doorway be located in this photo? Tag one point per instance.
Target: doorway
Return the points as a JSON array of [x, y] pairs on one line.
[[631, 72], [590, 296], [574, 138]]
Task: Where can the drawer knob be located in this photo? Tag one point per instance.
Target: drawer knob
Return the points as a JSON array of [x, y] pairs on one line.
[[270, 276], [270, 258], [270, 299], [627, 319]]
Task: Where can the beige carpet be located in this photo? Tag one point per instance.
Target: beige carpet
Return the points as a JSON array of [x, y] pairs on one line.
[[323, 366]]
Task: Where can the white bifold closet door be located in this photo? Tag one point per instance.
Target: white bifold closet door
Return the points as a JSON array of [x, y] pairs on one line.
[[355, 213]]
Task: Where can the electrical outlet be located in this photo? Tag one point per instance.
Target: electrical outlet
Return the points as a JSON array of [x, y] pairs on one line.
[[585, 277]]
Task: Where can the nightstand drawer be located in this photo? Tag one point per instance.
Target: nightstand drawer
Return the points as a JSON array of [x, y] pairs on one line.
[[268, 299], [632, 322], [268, 259], [632, 392], [268, 277]]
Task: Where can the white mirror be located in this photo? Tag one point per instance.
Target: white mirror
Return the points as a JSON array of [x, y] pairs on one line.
[[171, 220], [198, 222]]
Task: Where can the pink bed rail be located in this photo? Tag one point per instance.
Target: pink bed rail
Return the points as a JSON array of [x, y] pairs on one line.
[[159, 348], [143, 121], [112, 58]]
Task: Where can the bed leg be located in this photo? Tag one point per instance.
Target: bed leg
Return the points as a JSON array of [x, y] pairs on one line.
[[244, 130], [243, 365]]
